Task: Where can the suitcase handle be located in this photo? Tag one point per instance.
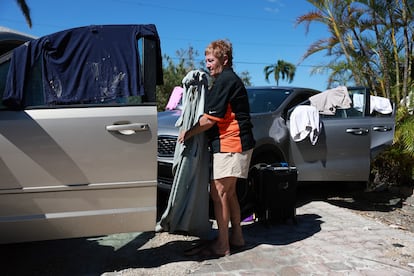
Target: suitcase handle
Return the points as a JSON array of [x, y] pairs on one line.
[[284, 185]]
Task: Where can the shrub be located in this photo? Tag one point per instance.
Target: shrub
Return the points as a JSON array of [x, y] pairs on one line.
[[394, 166]]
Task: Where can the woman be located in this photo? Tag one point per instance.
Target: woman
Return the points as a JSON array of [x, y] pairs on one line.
[[227, 121]]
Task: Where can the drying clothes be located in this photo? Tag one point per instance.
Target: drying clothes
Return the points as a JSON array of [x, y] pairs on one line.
[[358, 101], [92, 64], [377, 103], [188, 205], [304, 122], [380, 104], [175, 98], [329, 100]]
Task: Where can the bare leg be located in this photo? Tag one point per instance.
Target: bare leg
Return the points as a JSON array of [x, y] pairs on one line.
[[236, 238], [222, 192]]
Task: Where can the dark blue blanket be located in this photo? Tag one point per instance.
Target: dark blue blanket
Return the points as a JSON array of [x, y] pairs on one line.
[[82, 65]]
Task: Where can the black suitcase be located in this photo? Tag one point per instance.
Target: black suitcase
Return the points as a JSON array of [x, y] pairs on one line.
[[276, 187]]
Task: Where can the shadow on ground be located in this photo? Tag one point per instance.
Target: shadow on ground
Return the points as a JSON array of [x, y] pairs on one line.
[[94, 256], [80, 256], [354, 196]]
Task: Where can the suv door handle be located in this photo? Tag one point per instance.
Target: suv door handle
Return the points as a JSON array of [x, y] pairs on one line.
[[128, 129], [381, 128], [357, 131]]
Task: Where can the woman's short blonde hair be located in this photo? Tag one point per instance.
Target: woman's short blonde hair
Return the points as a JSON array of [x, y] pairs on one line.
[[220, 48]]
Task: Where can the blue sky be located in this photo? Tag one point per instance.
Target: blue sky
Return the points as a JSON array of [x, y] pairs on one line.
[[262, 31]]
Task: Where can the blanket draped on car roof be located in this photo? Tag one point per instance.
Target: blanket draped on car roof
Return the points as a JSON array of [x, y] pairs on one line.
[[92, 64]]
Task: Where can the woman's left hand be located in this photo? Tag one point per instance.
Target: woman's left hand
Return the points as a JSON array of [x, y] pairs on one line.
[[181, 137]]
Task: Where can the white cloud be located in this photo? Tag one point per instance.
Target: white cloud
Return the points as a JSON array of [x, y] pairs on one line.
[[271, 10], [275, 5]]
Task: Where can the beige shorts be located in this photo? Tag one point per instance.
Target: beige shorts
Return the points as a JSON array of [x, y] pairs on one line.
[[235, 164]]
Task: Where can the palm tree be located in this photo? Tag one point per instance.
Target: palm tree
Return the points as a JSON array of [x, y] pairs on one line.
[[281, 69], [375, 13], [372, 39], [26, 11], [405, 17], [246, 78], [334, 14]]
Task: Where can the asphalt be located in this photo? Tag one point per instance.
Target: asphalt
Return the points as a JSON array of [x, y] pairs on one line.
[[326, 240]]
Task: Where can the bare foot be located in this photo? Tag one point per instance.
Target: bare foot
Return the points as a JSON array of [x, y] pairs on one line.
[[237, 241], [213, 252]]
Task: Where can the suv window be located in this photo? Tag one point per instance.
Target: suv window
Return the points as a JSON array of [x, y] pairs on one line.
[[266, 100]]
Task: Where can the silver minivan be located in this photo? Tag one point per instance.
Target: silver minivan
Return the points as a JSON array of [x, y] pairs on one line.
[[78, 133]]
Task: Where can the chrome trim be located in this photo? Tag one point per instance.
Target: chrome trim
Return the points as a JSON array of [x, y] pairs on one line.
[[148, 183], [76, 214]]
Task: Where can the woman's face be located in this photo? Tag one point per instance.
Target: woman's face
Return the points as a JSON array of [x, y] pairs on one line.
[[214, 65]]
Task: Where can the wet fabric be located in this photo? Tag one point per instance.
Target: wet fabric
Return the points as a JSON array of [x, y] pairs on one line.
[[188, 204], [175, 98], [329, 100], [304, 122], [91, 64], [380, 104]]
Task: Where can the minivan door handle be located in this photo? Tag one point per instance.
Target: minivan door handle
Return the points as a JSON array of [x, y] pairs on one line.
[[357, 131], [128, 129]]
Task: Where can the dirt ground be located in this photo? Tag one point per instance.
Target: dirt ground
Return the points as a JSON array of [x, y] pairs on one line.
[[393, 206]]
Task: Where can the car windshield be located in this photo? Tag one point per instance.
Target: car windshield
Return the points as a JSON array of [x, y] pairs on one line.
[[266, 100]]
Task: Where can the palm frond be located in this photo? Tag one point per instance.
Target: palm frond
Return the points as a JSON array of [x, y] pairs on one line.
[[26, 11]]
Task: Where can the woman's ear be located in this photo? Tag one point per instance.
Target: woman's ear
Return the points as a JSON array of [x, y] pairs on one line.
[[225, 60]]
